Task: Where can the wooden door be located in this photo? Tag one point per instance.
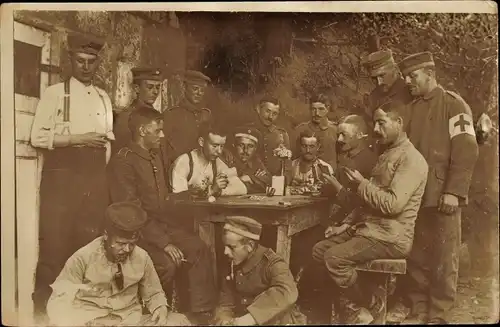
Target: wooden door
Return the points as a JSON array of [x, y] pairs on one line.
[[32, 67]]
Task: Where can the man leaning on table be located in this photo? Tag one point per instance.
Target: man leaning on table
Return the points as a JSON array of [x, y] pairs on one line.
[[202, 172], [106, 282], [259, 288], [383, 227]]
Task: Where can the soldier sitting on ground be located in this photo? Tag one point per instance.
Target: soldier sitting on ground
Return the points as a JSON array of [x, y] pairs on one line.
[[259, 289], [106, 282]]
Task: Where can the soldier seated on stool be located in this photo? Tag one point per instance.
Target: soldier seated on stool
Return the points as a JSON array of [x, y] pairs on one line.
[[104, 282], [383, 227], [259, 289]]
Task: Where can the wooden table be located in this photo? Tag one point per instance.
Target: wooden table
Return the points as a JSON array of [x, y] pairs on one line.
[[297, 214]]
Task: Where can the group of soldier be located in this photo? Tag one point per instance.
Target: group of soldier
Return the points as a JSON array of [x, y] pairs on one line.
[[111, 181]]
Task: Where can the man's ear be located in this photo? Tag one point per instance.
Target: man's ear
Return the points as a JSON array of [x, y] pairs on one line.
[[201, 141], [105, 235], [135, 87], [142, 130]]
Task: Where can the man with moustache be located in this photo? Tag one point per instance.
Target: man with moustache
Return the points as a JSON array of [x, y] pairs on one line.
[[308, 169], [272, 136], [441, 128], [147, 86], [182, 122], [137, 172], [390, 85], [259, 288], [202, 172], [73, 128], [324, 129], [250, 168], [106, 282], [382, 228]]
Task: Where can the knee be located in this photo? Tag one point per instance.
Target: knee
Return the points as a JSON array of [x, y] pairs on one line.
[[318, 252], [332, 259]]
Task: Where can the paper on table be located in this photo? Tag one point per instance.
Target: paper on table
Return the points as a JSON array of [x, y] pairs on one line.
[[278, 183]]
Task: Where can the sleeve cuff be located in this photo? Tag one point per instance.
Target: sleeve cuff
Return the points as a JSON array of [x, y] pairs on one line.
[[361, 187]]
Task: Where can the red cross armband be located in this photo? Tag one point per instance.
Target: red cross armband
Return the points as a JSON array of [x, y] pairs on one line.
[[461, 124]]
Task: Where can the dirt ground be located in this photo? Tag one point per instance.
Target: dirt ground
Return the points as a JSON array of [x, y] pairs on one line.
[[477, 301]]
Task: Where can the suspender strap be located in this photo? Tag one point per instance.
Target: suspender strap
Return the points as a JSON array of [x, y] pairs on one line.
[[214, 170], [66, 101], [190, 156]]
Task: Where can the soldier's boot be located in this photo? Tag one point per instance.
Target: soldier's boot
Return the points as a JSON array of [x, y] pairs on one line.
[[397, 313], [354, 300]]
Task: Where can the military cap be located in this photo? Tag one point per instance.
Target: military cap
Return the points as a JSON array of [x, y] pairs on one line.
[[375, 61], [196, 77], [249, 133], [80, 43], [244, 226], [416, 61], [149, 73], [126, 218]]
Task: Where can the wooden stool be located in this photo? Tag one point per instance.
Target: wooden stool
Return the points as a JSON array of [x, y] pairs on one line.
[[385, 271]]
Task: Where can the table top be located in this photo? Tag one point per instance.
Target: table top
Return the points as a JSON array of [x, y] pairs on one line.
[[258, 201]]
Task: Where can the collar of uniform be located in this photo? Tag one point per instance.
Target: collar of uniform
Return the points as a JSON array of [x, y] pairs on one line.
[[136, 103], [399, 142], [254, 259], [140, 151], [437, 90], [189, 106], [320, 126], [357, 151], [398, 85]]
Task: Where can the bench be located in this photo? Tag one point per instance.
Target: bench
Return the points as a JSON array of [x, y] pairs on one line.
[[384, 273]]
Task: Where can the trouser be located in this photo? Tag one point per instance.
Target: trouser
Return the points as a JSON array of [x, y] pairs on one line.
[[199, 293], [73, 200], [430, 284], [341, 253]]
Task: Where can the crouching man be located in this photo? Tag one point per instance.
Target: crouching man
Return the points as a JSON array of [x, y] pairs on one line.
[[383, 227], [259, 289], [104, 282]]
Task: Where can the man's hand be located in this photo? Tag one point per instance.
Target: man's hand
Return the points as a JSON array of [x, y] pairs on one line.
[[246, 179], [448, 203], [220, 183], [160, 315], [335, 230], [260, 173], [175, 254], [92, 139], [354, 175]]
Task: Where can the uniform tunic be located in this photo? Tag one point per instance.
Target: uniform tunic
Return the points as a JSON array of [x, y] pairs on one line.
[[69, 306], [442, 130], [181, 126], [264, 287], [327, 136], [135, 173], [73, 190], [122, 132], [272, 137], [250, 169]]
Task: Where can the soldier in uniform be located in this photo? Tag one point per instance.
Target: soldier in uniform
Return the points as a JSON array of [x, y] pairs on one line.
[[259, 288], [441, 128], [247, 162], [383, 226], [73, 127], [390, 85], [105, 282], [272, 136], [147, 85], [324, 129], [182, 122], [137, 172]]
